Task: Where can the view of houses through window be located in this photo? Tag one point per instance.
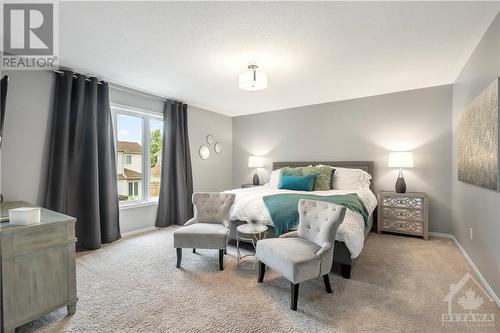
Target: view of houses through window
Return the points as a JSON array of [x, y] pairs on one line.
[[137, 154], [156, 135]]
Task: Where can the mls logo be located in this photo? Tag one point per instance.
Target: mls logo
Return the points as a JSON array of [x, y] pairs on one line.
[[29, 36], [28, 29], [470, 296]]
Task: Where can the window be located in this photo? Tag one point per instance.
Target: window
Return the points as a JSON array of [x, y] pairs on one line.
[[139, 137], [133, 189]]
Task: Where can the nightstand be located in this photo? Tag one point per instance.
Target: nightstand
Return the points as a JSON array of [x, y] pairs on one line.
[[403, 213], [248, 185]]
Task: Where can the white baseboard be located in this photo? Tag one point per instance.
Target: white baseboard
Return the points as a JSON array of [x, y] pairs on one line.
[[139, 231], [441, 235], [471, 263]]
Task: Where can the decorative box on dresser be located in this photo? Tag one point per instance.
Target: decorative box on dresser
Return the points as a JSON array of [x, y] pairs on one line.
[[38, 269], [404, 213]]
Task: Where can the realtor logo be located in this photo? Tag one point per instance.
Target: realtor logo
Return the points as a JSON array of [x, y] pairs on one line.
[[466, 297], [29, 36]]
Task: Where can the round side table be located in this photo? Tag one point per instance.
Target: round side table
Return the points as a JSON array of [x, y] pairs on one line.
[[250, 233]]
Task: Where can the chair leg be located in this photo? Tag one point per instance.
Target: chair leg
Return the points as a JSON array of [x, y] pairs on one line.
[[346, 271], [328, 287], [221, 259], [225, 250], [294, 296], [262, 271], [179, 257], [194, 250]]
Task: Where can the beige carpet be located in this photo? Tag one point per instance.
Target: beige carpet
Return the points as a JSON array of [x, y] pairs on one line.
[[398, 285]]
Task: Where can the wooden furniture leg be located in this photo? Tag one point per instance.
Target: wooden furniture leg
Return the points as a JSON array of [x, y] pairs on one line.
[[262, 271], [328, 287], [221, 259], [179, 257], [294, 295]]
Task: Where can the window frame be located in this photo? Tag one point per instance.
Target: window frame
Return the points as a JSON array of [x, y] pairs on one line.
[[130, 187], [146, 116], [136, 188]]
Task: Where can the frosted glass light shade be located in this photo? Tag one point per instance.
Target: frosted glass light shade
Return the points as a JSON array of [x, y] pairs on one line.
[[255, 162], [400, 159], [253, 80]]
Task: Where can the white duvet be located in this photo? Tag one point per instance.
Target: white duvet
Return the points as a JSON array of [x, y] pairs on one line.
[[249, 206]]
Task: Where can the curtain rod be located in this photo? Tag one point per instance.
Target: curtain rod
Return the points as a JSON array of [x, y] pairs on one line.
[[123, 87], [75, 76]]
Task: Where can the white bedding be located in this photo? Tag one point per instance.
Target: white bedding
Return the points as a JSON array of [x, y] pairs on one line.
[[249, 206]]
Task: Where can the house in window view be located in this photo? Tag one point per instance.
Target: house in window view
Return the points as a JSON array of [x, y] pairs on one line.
[[129, 165], [154, 186]]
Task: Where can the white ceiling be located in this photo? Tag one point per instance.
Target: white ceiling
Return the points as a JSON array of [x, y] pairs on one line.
[[313, 52]]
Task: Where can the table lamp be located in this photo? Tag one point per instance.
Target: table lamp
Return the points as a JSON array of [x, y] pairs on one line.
[[400, 159], [255, 162]]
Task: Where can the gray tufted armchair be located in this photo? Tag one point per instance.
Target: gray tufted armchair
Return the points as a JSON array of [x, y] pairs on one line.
[[209, 228], [306, 253]]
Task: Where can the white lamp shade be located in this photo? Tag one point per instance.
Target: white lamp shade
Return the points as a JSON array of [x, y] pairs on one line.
[[400, 159], [255, 162], [253, 80]]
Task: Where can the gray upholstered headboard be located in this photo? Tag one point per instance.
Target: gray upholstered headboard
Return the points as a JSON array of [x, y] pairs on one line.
[[368, 166]]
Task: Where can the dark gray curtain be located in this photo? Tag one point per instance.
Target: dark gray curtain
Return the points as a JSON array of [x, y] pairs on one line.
[[4, 83], [3, 102], [81, 179], [176, 189]]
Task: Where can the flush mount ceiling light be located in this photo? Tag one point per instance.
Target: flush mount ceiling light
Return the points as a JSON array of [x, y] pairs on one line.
[[253, 79]]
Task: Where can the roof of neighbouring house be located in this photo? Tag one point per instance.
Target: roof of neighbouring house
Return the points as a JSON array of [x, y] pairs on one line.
[[129, 147], [129, 175]]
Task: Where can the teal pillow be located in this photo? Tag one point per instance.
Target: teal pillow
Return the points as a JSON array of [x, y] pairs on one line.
[[297, 183]]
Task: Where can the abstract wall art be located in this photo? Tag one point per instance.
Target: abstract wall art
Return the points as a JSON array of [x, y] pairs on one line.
[[478, 140]]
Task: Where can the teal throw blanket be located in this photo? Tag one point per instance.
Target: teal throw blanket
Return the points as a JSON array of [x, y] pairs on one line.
[[283, 208]]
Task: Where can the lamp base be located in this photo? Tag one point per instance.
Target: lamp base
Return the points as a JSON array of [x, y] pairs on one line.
[[256, 179], [400, 185]]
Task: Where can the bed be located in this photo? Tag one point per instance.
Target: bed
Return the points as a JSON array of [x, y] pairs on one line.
[[249, 206]]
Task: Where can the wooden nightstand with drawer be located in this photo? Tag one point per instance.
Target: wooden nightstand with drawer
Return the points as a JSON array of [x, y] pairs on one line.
[[403, 213]]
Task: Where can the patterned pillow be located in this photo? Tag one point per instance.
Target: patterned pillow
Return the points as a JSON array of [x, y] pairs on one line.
[[323, 175], [291, 172]]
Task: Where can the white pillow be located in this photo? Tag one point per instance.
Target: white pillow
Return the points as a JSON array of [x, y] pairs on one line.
[[350, 179], [274, 180]]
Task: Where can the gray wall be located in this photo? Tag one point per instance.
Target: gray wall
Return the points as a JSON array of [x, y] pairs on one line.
[[475, 207], [29, 106], [214, 173], [29, 103], [360, 129]]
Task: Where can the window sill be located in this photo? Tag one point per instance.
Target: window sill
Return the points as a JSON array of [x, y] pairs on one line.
[[138, 204]]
